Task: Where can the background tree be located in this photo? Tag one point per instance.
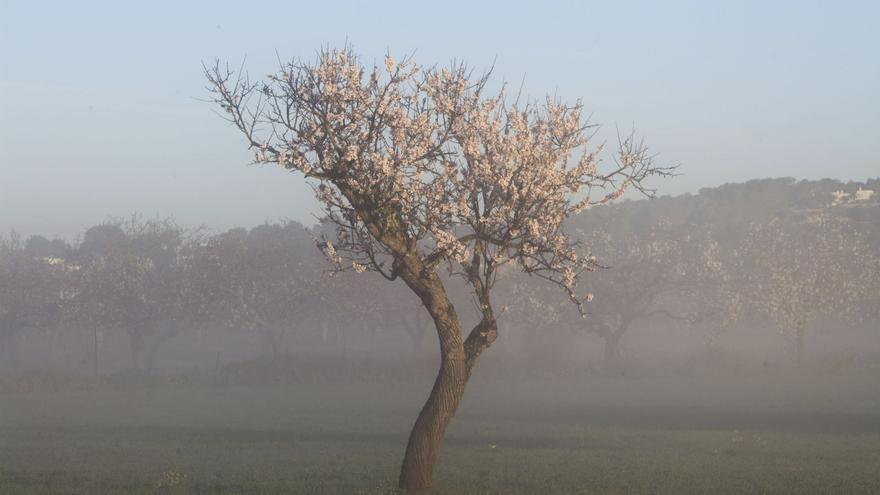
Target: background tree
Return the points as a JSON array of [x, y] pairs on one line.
[[33, 279], [806, 266], [714, 301], [133, 276], [648, 274], [177, 289], [268, 279], [420, 168]]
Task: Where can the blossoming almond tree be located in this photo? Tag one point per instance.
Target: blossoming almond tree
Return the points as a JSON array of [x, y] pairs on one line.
[[420, 168], [267, 281], [137, 277], [644, 268], [659, 272], [802, 269], [715, 302]]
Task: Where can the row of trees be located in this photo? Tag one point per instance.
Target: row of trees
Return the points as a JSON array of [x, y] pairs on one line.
[[149, 281], [794, 272]]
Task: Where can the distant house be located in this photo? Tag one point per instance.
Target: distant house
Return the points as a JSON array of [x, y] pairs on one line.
[[863, 194]]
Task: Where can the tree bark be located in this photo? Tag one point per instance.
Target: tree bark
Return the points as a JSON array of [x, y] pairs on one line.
[[457, 361], [426, 437]]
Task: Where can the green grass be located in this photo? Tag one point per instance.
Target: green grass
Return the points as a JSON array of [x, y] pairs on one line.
[[598, 435]]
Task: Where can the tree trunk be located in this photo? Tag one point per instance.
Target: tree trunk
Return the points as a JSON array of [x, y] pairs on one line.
[[427, 434], [611, 355], [799, 345], [10, 350], [137, 343], [151, 355], [95, 342], [157, 343], [457, 360], [612, 335], [4, 350], [271, 339], [325, 331], [426, 437]]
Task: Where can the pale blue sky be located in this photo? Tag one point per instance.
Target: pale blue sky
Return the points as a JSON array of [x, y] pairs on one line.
[[98, 117]]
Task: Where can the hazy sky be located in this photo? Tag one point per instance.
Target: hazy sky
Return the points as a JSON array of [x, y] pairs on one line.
[[98, 115]]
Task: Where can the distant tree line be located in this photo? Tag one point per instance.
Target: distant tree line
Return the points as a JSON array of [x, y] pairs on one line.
[[769, 252]]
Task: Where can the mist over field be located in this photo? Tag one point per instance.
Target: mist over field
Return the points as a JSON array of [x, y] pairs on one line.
[[151, 359], [662, 277]]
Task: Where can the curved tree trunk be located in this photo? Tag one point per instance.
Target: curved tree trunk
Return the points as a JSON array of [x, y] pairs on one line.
[[427, 434], [457, 355], [457, 360], [426, 437]]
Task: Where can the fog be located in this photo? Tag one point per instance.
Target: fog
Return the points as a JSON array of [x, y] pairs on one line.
[[243, 361], [352, 248]]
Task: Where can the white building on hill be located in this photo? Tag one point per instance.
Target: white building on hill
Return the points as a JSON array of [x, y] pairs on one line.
[[863, 194]]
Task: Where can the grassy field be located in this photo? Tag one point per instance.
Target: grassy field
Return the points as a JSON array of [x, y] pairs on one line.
[[596, 435]]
